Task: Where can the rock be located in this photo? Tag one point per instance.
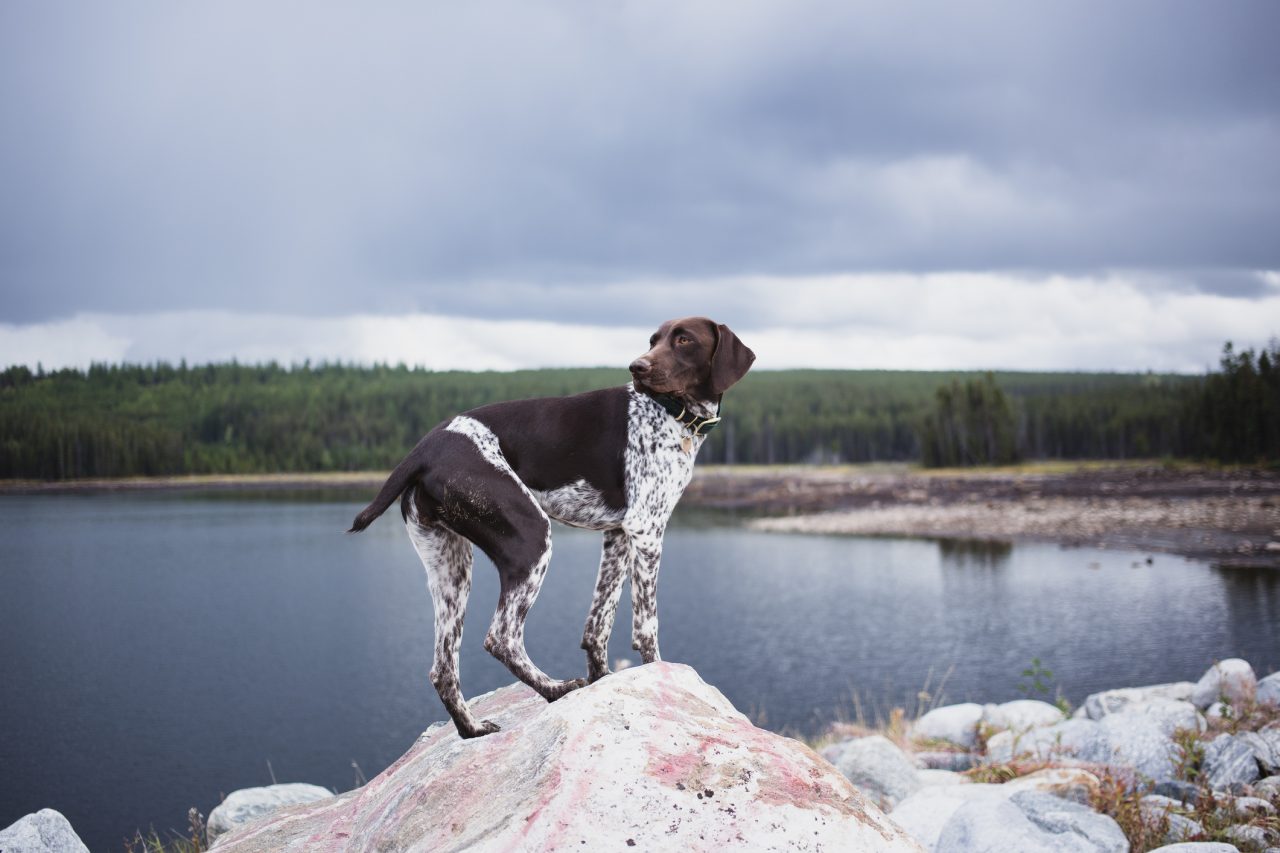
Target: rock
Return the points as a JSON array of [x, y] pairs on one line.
[[1180, 827], [1250, 806], [1021, 715], [1198, 847], [940, 760], [248, 804], [1231, 679], [45, 831], [1098, 705], [956, 724], [1169, 714], [1228, 760], [1250, 836], [942, 777], [1268, 787], [926, 812], [1030, 822], [1176, 789], [1265, 745], [1138, 741], [879, 769], [649, 758], [1068, 738], [1268, 690]]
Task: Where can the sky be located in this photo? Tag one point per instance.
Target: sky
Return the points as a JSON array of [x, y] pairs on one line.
[[502, 184]]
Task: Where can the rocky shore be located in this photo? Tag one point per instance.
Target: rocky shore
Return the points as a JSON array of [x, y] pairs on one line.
[[653, 758]]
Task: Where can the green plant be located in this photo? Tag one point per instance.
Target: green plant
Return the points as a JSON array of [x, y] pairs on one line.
[[152, 842], [1038, 679]]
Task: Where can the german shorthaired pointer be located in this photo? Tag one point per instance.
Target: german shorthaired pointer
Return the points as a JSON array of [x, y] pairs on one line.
[[615, 460]]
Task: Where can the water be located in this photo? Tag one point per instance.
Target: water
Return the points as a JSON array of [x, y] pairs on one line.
[[160, 650]]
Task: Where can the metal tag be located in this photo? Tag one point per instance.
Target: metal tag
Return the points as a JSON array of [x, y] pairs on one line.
[[687, 443]]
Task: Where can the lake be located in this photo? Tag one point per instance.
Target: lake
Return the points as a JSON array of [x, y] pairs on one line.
[[161, 649]]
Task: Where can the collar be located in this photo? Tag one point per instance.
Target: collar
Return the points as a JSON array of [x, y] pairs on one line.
[[681, 412]]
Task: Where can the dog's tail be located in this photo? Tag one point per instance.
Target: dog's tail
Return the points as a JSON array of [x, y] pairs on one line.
[[409, 468]]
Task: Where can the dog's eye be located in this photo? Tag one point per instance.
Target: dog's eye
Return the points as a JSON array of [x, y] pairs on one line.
[[683, 340]]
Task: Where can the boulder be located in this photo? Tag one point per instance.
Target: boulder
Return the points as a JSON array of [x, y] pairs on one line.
[[1198, 847], [248, 804], [1265, 745], [648, 758], [942, 777], [1098, 705], [1228, 761], [1180, 790], [879, 769], [942, 760], [956, 724], [1066, 739], [1268, 787], [1155, 808], [1169, 714], [1231, 679], [1030, 822], [1138, 741], [1021, 715], [926, 812], [1268, 690], [45, 831]]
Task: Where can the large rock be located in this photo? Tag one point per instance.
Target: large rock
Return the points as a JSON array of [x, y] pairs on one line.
[[1231, 679], [1268, 690], [1198, 847], [925, 813], [1030, 822], [878, 768], [248, 804], [1228, 761], [649, 758], [1021, 715], [1098, 705], [1069, 739], [1265, 745], [45, 831], [956, 724], [1156, 808], [1138, 741]]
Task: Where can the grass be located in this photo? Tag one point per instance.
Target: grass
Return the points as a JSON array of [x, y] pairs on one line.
[[195, 841]]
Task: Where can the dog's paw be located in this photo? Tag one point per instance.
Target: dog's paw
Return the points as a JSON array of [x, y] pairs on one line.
[[564, 688], [486, 727], [597, 674]]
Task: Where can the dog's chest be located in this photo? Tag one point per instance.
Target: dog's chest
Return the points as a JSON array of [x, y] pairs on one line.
[[658, 463]]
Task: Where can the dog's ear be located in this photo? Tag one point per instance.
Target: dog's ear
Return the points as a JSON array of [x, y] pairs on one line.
[[731, 361]]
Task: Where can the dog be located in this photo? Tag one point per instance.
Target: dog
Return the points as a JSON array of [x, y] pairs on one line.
[[615, 460]]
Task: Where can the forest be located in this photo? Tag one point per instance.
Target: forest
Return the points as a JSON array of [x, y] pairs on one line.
[[164, 419]]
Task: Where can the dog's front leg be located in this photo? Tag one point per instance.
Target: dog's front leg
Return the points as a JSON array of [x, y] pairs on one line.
[[644, 595], [615, 563]]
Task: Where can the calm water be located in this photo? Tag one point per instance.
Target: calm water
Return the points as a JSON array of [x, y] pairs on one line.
[[158, 650]]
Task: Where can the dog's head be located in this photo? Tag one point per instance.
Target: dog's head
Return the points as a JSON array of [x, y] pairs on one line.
[[692, 357]]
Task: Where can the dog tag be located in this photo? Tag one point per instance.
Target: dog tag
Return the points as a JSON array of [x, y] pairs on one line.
[[687, 443]]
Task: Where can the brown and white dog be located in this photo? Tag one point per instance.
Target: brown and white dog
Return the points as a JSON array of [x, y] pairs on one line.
[[615, 460]]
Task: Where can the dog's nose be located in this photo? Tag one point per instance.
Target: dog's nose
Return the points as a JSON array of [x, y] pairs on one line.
[[639, 367]]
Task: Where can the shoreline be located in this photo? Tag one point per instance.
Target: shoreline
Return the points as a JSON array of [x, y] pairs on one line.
[[1228, 516]]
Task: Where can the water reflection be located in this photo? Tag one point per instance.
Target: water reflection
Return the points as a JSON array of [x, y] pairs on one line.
[[981, 553]]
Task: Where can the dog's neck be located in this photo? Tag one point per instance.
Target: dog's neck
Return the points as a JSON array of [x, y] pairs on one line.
[[697, 415]]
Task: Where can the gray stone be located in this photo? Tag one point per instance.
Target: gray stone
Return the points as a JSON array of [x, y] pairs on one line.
[[1135, 740], [1231, 679], [1170, 714], [1031, 823], [1069, 738], [1266, 748], [1198, 847], [650, 758], [249, 804], [1155, 807], [1228, 760], [1268, 787], [1251, 836], [879, 769], [941, 760], [1268, 690], [956, 724], [1250, 806], [45, 831], [1176, 789], [934, 778], [1098, 705], [1021, 715]]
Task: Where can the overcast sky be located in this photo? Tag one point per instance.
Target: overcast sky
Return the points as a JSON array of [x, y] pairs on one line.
[[506, 184]]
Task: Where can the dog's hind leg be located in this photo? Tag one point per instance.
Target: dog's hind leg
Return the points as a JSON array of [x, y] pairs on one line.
[[522, 558], [614, 563], [447, 558]]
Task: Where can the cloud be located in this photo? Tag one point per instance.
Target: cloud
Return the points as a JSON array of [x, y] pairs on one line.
[[931, 321], [294, 159]]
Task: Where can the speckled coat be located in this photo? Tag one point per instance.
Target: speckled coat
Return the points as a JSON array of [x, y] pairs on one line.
[[613, 460]]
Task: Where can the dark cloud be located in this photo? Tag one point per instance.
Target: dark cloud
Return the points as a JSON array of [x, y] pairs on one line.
[[506, 159]]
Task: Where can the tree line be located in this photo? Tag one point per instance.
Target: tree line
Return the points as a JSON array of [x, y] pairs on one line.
[[158, 419]]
